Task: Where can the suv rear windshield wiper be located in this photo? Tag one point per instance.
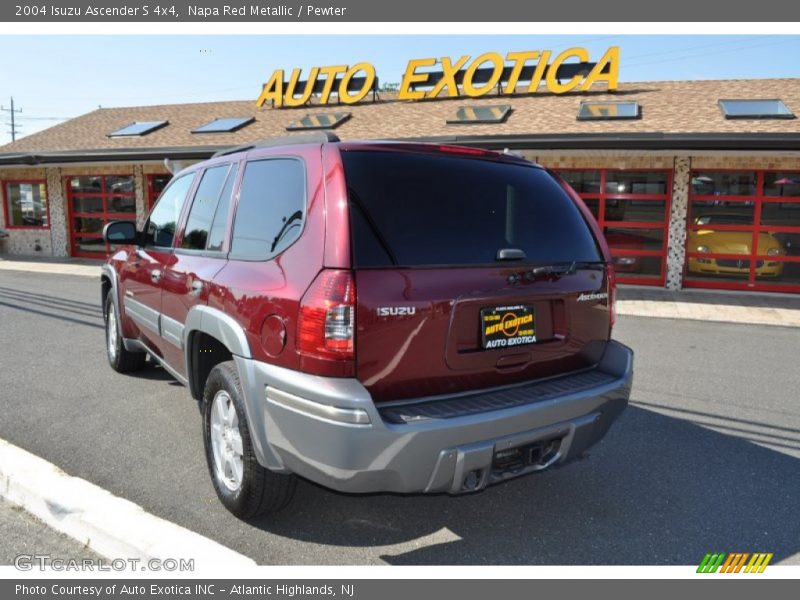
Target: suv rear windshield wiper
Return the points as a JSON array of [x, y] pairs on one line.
[[355, 201], [566, 268]]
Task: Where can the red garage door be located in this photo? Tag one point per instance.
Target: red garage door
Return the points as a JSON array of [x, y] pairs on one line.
[[744, 231], [632, 208]]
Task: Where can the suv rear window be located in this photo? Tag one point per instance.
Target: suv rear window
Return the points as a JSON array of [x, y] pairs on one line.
[[420, 209]]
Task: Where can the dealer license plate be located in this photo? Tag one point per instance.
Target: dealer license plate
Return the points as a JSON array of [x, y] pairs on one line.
[[508, 326]]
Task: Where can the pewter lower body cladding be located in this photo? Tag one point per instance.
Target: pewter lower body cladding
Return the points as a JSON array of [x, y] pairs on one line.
[[328, 430], [143, 315], [172, 331]]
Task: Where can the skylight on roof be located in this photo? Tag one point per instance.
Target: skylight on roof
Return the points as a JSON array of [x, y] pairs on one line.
[[224, 125], [319, 121], [481, 114], [755, 109], [608, 110], [138, 128]]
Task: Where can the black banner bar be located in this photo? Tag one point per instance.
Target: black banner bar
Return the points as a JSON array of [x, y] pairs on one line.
[[731, 587], [196, 11]]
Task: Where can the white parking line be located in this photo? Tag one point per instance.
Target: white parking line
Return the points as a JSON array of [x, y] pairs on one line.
[[111, 526]]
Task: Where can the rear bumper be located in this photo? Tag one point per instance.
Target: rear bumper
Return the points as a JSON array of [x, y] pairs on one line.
[[328, 430]]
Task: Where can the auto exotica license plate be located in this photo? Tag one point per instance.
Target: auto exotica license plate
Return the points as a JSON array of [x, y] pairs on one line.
[[505, 326]]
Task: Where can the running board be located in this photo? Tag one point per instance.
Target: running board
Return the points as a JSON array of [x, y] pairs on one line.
[[132, 345]]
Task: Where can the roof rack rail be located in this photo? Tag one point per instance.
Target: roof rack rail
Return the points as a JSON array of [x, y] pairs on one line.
[[317, 137]]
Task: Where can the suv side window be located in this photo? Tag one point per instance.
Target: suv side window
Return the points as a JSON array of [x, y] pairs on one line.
[[219, 226], [163, 222], [201, 214], [271, 209]]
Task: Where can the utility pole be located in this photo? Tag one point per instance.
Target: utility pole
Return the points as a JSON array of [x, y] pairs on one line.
[[13, 124]]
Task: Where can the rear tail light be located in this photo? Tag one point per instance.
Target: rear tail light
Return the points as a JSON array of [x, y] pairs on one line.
[[326, 324], [612, 297]]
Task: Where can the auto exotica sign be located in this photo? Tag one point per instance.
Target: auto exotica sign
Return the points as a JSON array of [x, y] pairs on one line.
[[427, 78]]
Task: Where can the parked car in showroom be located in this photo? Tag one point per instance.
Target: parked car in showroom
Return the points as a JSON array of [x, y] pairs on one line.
[[711, 241], [620, 241], [372, 316]]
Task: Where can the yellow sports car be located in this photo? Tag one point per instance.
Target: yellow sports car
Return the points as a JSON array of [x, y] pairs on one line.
[[708, 241]]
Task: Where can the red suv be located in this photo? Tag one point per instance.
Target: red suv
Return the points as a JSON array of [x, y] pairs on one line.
[[372, 316]]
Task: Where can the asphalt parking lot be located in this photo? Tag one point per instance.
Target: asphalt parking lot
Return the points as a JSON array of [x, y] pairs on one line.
[[706, 458], [25, 535]]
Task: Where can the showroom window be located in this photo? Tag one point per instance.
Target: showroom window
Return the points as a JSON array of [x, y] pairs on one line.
[[156, 185], [632, 209], [93, 201], [25, 205], [744, 230]]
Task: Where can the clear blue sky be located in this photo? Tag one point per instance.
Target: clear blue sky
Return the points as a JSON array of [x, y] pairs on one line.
[[65, 76]]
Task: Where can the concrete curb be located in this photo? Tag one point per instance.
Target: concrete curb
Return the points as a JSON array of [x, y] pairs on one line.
[[46, 267], [718, 313], [109, 525]]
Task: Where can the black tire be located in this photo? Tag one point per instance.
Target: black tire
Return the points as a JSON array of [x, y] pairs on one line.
[[260, 491], [120, 359]]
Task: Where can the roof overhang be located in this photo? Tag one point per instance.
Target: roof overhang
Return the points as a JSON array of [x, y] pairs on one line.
[[109, 155], [571, 141], [629, 141]]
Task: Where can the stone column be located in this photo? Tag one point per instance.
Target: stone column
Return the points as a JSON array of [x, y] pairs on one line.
[[140, 187], [679, 207], [57, 198]]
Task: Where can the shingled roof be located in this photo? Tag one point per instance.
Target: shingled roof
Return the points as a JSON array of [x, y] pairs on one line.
[[669, 109]]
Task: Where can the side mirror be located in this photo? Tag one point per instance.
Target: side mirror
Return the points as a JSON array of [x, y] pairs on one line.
[[120, 232]]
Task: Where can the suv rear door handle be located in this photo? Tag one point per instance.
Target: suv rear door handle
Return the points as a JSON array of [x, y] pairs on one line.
[[155, 275]]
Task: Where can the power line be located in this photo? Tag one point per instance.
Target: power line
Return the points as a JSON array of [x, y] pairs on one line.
[[13, 112], [769, 42], [692, 49], [44, 118]]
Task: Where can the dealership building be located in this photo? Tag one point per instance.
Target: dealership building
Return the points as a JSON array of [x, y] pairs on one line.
[[695, 183]]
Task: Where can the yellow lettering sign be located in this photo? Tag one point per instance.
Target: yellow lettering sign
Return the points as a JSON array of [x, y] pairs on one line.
[[497, 72], [289, 95], [519, 59], [272, 90], [330, 74], [448, 79], [610, 58], [417, 84], [538, 73], [553, 84], [411, 76], [369, 81]]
